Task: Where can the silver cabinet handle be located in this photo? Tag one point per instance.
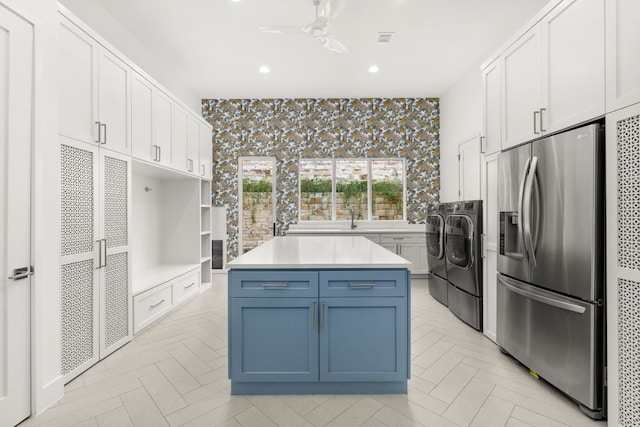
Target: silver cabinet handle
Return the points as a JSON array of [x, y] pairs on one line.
[[105, 132], [21, 273], [324, 315], [542, 129], [99, 242], [362, 285], [313, 316], [535, 122], [159, 153], [482, 146], [105, 253], [99, 141], [188, 286], [190, 165], [202, 167], [157, 304], [274, 285], [399, 249]]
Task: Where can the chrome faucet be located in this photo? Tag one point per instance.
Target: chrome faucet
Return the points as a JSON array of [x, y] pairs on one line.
[[353, 222]]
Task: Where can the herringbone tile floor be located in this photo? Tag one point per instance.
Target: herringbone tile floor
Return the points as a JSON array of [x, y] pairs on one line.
[[175, 374]]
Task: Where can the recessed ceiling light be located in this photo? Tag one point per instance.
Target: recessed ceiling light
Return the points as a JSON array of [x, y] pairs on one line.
[[374, 69], [264, 69]]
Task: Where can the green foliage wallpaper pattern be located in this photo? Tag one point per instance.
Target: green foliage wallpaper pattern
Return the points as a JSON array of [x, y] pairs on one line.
[[290, 129]]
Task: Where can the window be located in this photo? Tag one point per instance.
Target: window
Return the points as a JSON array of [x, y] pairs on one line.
[[339, 189]]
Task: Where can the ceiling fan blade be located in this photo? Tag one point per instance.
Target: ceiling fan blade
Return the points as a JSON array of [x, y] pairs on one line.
[[331, 43], [284, 29], [330, 8]]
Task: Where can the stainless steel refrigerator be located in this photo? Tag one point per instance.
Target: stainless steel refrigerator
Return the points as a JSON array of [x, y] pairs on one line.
[[551, 261]]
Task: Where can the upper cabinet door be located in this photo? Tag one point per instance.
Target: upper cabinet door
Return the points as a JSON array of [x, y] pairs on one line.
[[77, 85], [521, 98], [163, 134], [180, 139], [193, 145], [114, 100], [469, 169], [142, 118], [623, 61], [573, 64], [492, 108], [205, 151]]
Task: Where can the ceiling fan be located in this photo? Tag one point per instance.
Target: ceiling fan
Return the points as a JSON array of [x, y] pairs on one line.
[[319, 28]]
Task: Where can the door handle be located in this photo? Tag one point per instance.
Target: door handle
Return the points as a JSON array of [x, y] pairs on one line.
[[21, 273], [362, 285], [202, 167], [99, 141], [105, 132], [482, 147], [157, 304], [535, 122], [527, 210], [324, 315], [564, 305], [99, 242], [542, 129], [313, 316], [275, 285], [159, 153], [105, 253], [523, 181]]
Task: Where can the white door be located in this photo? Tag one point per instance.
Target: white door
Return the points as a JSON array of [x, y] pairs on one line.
[[114, 88], [142, 119], [492, 108], [179, 157], [469, 169], [205, 151], [16, 94], [490, 243], [522, 91], [77, 68], [573, 63]]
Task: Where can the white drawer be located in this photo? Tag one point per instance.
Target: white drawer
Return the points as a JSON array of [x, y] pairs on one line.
[[186, 286], [400, 238], [150, 305]]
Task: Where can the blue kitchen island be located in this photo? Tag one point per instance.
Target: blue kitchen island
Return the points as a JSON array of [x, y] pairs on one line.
[[319, 315]]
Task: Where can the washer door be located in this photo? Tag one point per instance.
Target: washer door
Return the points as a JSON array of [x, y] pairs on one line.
[[435, 236], [459, 241]]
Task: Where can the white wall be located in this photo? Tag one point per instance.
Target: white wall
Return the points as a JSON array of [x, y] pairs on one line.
[[47, 384], [103, 23], [460, 121]]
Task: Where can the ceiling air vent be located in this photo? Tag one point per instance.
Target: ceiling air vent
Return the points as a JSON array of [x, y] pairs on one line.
[[384, 37]]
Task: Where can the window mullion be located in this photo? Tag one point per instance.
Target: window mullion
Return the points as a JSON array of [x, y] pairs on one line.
[[369, 191], [334, 199]]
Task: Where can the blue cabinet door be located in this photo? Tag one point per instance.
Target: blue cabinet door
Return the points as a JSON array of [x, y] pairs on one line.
[[363, 339], [274, 339]]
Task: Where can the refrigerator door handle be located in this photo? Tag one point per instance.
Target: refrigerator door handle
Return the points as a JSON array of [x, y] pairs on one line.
[[523, 180], [528, 239], [539, 297]]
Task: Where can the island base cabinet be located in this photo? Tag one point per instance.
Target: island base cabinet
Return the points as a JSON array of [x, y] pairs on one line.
[[274, 339], [363, 339]]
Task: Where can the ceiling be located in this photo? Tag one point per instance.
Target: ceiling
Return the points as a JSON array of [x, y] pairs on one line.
[[213, 47]]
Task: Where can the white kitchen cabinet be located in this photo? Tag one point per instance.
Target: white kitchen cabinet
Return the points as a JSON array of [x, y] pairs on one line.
[[490, 243], [95, 262], [491, 140], [152, 127], [142, 118], [623, 61], [554, 73], [95, 88], [522, 89], [180, 158], [469, 169], [163, 127], [407, 245], [193, 145], [205, 150]]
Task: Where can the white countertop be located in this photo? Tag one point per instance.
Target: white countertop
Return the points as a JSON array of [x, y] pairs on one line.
[[362, 228], [316, 252]]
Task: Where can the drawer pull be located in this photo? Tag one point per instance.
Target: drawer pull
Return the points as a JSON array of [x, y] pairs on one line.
[[274, 285], [157, 304], [362, 285], [188, 286]]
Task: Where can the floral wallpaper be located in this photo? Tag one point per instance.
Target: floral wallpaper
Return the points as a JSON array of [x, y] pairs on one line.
[[290, 129]]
